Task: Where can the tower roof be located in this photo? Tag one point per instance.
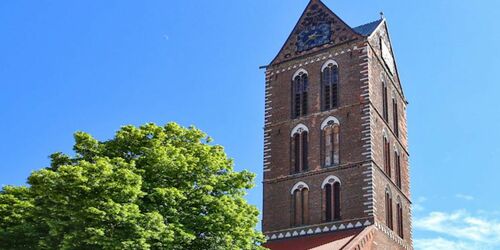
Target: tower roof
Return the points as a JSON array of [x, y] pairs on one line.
[[368, 28]]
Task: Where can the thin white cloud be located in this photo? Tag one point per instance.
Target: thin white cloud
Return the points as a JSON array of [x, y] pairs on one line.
[[465, 197], [461, 228]]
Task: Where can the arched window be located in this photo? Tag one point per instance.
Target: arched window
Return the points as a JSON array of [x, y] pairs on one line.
[[300, 145], [395, 116], [331, 194], [399, 217], [330, 85], [387, 155], [388, 208], [330, 152], [299, 98], [397, 163], [385, 110], [300, 200]]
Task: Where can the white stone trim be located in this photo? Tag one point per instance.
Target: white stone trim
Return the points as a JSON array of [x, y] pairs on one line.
[[299, 72], [329, 119], [299, 185], [388, 191], [398, 201], [396, 149], [299, 129], [330, 180], [325, 65]]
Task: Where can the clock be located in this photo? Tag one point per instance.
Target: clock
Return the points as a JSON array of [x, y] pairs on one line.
[[313, 36]]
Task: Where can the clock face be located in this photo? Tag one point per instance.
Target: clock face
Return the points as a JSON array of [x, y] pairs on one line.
[[314, 36]]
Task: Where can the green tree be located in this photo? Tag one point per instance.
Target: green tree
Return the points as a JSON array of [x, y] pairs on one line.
[[149, 187]]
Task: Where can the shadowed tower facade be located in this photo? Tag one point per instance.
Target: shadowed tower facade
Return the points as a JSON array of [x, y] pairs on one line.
[[336, 173]]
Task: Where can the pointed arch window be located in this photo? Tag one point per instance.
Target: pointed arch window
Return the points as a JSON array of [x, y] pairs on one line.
[[331, 198], [387, 156], [330, 142], [395, 116], [385, 104], [299, 98], [300, 148], [300, 201], [397, 163], [330, 85], [388, 209], [399, 217]]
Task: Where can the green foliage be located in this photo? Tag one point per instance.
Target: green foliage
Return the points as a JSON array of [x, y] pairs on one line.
[[150, 187]]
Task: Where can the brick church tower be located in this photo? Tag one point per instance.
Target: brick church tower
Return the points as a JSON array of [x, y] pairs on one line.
[[336, 172]]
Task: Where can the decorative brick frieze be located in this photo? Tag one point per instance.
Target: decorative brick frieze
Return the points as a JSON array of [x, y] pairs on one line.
[[319, 228]]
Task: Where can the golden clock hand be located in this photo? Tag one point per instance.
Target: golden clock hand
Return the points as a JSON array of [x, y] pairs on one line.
[[312, 37]]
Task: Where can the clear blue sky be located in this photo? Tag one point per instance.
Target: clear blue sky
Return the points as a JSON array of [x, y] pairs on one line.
[[98, 65]]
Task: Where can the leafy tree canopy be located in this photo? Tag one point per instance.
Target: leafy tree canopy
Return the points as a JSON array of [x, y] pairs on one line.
[[149, 187]]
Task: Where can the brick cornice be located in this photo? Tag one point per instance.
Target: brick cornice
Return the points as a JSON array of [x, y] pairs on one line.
[[316, 172], [304, 118], [316, 53]]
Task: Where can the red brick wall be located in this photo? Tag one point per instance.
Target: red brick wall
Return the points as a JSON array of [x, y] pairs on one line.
[[382, 241], [381, 179], [278, 180], [361, 138]]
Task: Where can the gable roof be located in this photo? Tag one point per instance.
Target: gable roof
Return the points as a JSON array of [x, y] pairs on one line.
[[327, 15], [368, 28], [343, 31]]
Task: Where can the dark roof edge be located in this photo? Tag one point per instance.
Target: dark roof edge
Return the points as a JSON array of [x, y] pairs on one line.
[[368, 28]]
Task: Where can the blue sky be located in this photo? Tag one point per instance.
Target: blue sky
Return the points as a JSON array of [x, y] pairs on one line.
[[97, 65]]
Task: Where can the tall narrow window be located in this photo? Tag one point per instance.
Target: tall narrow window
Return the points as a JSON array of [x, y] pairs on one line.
[[330, 149], [388, 209], [300, 198], [300, 87], [336, 201], [395, 116], [298, 207], [385, 102], [299, 147], [399, 217], [305, 206], [330, 85], [331, 187], [328, 202], [305, 148], [387, 157], [296, 145], [397, 160]]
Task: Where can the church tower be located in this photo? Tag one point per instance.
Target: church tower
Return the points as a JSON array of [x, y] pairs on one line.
[[336, 173]]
